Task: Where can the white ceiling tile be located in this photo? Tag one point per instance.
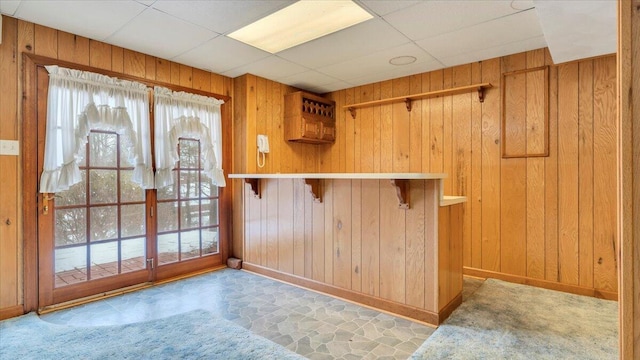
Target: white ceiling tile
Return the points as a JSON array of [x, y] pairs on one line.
[[221, 54], [493, 52], [339, 85], [396, 73], [156, 33], [508, 29], [578, 29], [384, 7], [373, 63], [146, 2], [92, 19], [307, 79], [221, 16], [271, 67], [345, 44], [431, 18], [9, 7]]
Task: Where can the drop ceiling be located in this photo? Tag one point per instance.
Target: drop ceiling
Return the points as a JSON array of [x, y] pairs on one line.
[[438, 34]]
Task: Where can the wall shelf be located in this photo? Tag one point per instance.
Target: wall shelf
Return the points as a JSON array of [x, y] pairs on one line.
[[480, 88]]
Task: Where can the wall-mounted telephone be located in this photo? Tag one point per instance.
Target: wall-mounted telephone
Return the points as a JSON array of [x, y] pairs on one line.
[[263, 148]]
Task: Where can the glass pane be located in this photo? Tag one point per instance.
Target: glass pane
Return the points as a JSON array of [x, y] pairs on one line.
[[169, 192], [104, 223], [189, 214], [71, 226], [207, 189], [189, 154], [132, 254], [167, 216], [124, 158], [167, 248], [103, 149], [70, 265], [132, 220], [104, 260], [189, 184], [209, 212], [210, 241], [103, 186], [190, 244], [76, 195], [129, 191]]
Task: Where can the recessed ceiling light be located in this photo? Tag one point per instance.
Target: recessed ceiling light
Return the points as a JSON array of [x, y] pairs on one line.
[[300, 22], [402, 60]]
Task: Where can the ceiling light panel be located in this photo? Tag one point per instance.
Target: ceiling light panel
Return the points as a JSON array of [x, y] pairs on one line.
[[300, 22]]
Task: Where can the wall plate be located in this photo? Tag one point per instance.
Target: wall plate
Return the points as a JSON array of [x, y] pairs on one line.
[[9, 147]]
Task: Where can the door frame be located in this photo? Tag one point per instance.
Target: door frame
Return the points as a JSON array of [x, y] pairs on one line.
[[31, 198]]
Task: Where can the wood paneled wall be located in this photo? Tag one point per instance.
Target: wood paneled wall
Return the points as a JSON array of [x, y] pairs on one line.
[[551, 218], [259, 109], [628, 194], [20, 36], [358, 244]]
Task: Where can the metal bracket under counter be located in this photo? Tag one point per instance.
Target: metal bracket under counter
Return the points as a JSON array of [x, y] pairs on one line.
[[400, 181]]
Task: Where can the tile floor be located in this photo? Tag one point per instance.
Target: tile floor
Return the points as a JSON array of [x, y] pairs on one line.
[[313, 325]]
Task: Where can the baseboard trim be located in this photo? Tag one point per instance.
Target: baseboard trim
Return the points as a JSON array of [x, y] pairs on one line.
[[546, 284], [11, 311], [360, 298], [448, 309]]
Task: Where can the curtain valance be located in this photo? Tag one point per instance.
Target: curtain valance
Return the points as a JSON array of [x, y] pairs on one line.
[[81, 101], [180, 114]]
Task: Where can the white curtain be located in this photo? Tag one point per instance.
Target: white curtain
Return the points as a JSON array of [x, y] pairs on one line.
[[180, 114], [81, 101]]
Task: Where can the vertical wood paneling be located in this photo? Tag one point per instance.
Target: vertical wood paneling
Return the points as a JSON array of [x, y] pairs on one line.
[[307, 249], [513, 172], [134, 63], [392, 245], [299, 222], [163, 74], [475, 200], [491, 169], [318, 241], [328, 231], [117, 59], [150, 67], [46, 41], [285, 225], [342, 226], [356, 235], [426, 124], [551, 180], [604, 145], [9, 165], [568, 249], [415, 248], [365, 123], [386, 142], [444, 253], [371, 237], [585, 164], [99, 55], [437, 126], [270, 191], [535, 175], [73, 48], [400, 127], [447, 138], [351, 139], [431, 208], [186, 76], [415, 126]]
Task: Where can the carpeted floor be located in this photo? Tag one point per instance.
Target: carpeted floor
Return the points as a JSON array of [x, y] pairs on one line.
[[509, 321], [193, 335]]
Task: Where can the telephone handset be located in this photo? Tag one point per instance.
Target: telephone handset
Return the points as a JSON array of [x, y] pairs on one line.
[[263, 148]]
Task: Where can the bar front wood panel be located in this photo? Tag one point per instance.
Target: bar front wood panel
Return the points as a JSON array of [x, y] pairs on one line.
[[20, 36], [360, 241], [548, 218]]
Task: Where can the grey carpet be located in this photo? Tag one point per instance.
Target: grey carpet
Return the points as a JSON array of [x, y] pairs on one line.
[[509, 321], [192, 335]]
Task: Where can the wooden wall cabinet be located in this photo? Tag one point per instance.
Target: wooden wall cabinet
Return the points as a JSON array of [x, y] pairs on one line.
[[309, 118]]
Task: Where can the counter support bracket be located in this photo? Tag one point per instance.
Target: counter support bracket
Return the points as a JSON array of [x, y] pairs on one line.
[[255, 186], [402, 192], [314, 185]]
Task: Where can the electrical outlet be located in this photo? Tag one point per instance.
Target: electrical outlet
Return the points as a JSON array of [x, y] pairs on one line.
[[9, 147]]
